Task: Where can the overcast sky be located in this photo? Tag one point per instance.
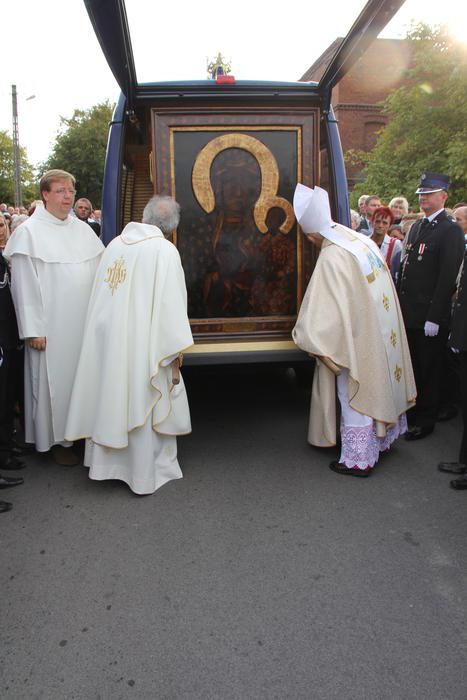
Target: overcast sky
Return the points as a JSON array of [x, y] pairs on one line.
[[50, 50]]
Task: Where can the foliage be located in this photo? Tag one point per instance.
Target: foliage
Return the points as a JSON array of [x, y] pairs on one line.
[[428, 123], [7, 170], [80, 149]]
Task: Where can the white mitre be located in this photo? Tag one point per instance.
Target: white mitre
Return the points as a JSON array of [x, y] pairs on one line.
[[311, 207], [313, 212]]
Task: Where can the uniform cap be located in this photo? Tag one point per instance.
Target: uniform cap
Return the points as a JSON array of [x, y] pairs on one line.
[[432, 182]]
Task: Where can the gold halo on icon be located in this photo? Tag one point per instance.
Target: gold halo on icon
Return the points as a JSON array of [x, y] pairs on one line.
[[201, 178]]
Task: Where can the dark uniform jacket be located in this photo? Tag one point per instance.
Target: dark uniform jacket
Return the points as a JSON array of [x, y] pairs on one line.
[[458, 336], [8, 327], [428, 272]]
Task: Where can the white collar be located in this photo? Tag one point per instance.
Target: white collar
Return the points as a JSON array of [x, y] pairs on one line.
[[136, 233], [433, 216]]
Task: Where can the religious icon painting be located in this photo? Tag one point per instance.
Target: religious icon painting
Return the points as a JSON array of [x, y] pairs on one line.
[[234, 175]]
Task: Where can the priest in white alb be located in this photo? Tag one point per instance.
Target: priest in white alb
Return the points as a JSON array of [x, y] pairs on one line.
[[129, 399], [351, 322], [53, 258]]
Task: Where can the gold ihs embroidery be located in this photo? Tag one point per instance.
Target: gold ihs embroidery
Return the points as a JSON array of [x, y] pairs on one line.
[[393, 338], [116, 274], [386, 302], [398, 373]]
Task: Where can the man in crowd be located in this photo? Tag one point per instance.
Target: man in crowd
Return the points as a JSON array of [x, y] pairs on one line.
[[458, 345], [372, 202], [460, 215], [129, 398], [361, 207], [8, 348], [451, 370], [351, 322], [433, 254], [83, 210], [53, 257]]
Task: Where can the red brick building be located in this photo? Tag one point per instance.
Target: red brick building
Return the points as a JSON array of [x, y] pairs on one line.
[[357, 98]]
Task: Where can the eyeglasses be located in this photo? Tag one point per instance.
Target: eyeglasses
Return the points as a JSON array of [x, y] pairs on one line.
[[62, 190]]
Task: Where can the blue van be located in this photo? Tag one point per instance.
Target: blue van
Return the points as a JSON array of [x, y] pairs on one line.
[[231, 153]]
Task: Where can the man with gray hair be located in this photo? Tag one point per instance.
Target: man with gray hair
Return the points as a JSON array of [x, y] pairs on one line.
[[128, 398]]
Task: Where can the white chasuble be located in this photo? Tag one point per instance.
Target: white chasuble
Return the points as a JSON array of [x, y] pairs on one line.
[[53, 263], [124, 400]]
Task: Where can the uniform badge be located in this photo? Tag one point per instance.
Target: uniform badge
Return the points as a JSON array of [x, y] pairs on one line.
[[421, 249]]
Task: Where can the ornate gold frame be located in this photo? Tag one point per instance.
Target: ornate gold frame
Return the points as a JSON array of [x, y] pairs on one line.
[[167, 122]]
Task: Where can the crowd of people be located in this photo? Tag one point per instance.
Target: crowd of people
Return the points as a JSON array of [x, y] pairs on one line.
[[384, 315]]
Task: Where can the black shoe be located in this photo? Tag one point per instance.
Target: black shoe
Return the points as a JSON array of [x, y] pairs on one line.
[[349, 471], [452, 467], [4, 506], [12, 463], [459, 484], [418, 433], [7, 481], [447, 413]]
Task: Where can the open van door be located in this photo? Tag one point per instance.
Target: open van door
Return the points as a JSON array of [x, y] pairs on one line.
[[231, 154]]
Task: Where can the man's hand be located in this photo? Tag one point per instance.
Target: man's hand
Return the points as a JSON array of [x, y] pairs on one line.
[[456, 351], [431, 329], [37, 343]]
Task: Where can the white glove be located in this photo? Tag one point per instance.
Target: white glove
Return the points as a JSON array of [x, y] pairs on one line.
[[455, 350], [431, 329]]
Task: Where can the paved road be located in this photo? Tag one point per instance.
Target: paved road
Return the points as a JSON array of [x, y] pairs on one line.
[[261, 574]]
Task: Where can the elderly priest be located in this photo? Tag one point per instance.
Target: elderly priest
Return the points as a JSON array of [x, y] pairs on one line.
[[350, 321], [129, 399], [53, 258]]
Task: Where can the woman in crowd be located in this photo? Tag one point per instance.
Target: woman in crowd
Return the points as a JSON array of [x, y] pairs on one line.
[[355, 219], [4, 231], [390, 247], [399, 207]]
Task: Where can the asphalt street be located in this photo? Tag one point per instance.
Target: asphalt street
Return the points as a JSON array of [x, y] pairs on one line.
[[260, 574]]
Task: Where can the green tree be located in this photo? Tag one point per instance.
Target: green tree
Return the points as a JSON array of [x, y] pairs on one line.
[[428, 123], [7, 178], [80, 149]]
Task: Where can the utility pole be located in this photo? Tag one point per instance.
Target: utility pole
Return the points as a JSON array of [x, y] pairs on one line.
[[16, 153]]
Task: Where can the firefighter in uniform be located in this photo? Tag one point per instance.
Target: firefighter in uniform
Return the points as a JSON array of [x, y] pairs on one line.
[[427, 279]]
